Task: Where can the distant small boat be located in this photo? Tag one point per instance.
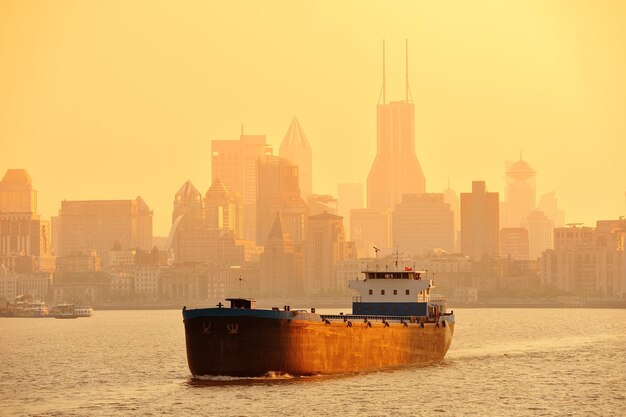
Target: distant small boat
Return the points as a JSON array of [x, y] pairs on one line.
[[27, 306], [70, 311]]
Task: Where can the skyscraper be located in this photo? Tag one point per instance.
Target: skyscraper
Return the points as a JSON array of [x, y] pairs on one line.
[[480, 222], [16, 192], [349, 197], [278, 192], [281, 264], [324, 247], [222, 208], [395, 170], [22, 232], [99, 224], [421, 223], [296, 149], [188, 205], [235, 162], [519, 193]]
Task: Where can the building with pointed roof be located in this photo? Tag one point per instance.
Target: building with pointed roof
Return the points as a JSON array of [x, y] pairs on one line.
[[222, 209], [279, 192], [296, 148], [281, 264]]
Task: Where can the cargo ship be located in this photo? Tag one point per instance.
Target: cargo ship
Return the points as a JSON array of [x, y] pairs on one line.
[[395, 322]]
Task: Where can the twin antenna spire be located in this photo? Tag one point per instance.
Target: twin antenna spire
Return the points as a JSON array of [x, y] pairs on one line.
[[408, 96]]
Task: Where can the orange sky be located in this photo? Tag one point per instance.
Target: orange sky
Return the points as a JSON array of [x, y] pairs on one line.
[[111, 99]]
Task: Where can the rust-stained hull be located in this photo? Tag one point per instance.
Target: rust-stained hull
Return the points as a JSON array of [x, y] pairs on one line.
[[253, 346]]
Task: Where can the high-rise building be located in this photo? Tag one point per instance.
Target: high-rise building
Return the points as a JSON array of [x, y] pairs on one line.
[[370, 230], [279, 192], [349, 197], [222, 208], [281, 264], [519, 193], [296, 149], [235, 163], [422, 223], [548, 204], [99, 224], [480, 227], [188, 208], [514, 243], [540, 233], [320, 203], [22, 232], [324, 247], [450, 196], [587, 261], [396, 170], [16, 192]]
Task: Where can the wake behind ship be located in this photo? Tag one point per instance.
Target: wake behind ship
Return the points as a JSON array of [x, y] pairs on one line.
[[395, 321]]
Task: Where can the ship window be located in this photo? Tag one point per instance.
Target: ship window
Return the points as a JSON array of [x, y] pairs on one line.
[[371, 292], [395, 292], [382, 292], [408, 292]]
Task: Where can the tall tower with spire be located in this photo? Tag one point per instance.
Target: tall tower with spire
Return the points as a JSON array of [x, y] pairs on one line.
[[296, 149], [396, 170]]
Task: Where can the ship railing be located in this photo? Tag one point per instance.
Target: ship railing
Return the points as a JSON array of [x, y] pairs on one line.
[[437, 298], [364, 317]]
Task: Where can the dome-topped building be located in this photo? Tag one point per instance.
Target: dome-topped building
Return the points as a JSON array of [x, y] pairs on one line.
[[16, 192]]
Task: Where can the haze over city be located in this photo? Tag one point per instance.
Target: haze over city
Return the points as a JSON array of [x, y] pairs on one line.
[[114, 100]]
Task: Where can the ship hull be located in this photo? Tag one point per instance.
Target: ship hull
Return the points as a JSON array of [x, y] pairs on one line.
[[246, 343]]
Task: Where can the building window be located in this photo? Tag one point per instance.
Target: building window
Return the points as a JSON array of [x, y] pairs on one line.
[[408, 292], [371, 292], [395, 292], [382, 292]]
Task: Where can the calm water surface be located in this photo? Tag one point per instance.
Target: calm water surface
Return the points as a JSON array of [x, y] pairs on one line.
[[502, 362]]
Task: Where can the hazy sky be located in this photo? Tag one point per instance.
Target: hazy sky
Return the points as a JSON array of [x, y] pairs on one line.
[[114, 99]]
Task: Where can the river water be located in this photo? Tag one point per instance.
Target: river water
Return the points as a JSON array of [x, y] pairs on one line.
[[502, 362]]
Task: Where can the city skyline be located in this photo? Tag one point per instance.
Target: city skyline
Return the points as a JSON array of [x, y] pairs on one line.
[[101, 117]]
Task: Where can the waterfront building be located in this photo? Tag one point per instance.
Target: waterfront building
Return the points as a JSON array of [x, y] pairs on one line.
[[480, 222], [587, 261], [79, 261], [422, 223], [296, 148], [147, 282]]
